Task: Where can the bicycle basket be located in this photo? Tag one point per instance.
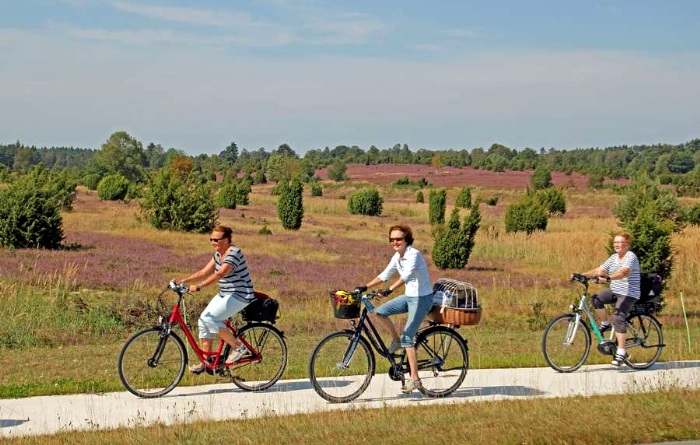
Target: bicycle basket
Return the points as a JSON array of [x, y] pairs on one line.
[[345, 305], [464, 307]]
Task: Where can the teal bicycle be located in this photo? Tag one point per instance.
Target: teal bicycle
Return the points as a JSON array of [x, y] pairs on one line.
[[566, 342]]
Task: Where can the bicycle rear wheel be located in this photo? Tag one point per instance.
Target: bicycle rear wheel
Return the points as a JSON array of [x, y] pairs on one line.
[[265, 366], [340, 373], [152, 362], [443, 361], [645, 341], [565, 343]]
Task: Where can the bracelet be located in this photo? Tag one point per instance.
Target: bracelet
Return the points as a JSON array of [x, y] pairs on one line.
[[198, 287]]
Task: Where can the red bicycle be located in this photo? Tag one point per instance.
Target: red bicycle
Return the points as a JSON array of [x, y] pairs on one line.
[[153, 360]]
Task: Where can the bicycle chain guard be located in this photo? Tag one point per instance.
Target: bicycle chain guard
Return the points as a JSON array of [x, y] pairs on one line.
[[608, 347]]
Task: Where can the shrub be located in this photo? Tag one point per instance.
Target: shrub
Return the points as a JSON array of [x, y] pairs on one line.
[[337, 171], [651, 215], [29, 217], [113, 187], [316, 189], [526, 216], [492, 201], [596, 181], [265, 231], [402, 181], [173, 203], [366, 202], [437, 206], [552, 200], [290, 206], [464, 198], [92, 180], [419, 196], [454, 244], [694, 215], [541, 178], [226, 197]]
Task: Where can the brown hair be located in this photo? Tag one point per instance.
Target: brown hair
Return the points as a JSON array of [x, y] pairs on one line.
[[407, 232], [624, 235], [227, 231]]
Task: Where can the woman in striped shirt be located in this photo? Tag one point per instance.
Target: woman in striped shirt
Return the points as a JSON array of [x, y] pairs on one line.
[[227, 267]]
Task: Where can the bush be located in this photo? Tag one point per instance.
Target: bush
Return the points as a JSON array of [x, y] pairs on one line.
[[454, 244], [316, 189], [265, 231], [541, 178], [29, 217], [290, 206], [366, 202], [525, 216], [172, 203], [226, 197], [651, 215], [337, 171], [464, 198], [694, 215], [552, 200], [492, 201], [92, 180], [437, 206], [113, 187], [419, 196]]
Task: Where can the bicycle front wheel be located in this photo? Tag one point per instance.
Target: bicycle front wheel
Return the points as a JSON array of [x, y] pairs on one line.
[[645, 341], [565, 343], [339, 371], [443, 361], [265, 366], [152, 362]]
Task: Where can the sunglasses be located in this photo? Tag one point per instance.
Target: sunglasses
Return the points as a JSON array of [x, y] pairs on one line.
[[395, 240], [216, 240]]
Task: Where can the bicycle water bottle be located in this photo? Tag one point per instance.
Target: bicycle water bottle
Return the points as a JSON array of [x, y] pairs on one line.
[[368, 304], [446, 301]]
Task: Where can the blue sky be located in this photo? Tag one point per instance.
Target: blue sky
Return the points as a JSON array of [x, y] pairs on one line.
[[196, 75]]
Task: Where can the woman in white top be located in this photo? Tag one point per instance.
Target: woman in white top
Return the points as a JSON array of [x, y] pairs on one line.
[[417, 299]]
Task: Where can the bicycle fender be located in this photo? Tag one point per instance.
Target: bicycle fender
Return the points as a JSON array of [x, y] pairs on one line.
[[431, 329]]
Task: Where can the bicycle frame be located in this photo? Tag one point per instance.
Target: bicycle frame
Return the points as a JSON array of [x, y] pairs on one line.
[[204, 357]]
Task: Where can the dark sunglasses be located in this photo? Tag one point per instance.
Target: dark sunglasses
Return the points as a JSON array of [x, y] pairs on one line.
[[216, 240], [392, 240]]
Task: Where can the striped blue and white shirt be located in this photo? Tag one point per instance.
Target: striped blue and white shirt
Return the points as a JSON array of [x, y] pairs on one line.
[[630, 285], [237, 282]]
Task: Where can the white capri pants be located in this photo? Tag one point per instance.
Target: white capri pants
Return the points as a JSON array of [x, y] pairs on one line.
[[220, 308]]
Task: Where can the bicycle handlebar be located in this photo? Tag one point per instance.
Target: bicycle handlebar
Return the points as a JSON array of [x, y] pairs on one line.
[[181, 288]]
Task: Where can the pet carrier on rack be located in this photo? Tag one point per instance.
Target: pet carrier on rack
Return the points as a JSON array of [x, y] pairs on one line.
[[456, 302]]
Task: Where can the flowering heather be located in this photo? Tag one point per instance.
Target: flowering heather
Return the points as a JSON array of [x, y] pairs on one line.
[[454, 177]]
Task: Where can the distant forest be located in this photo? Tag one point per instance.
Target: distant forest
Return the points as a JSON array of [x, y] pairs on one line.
[[121, 153]]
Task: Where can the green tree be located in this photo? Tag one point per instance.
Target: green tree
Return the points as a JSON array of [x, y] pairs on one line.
[[122, 154], [226, 197], [113, 187], [229, 155], [437, 206], [552, 199], [541, 178], [173, 203], [337, 171], [526, 215], [29, 216], [651, 215], [464, 198], [290, 206], [366, 201], [454, 244]]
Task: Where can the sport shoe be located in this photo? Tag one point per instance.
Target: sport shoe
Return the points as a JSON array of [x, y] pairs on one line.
[[238, 353], [619, 358], [393, 347], [410, 385], [604, 328], [198, 369]]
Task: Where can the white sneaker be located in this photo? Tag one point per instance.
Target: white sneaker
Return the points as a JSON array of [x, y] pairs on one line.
[[410, 385], [619, 359], [237, 354]]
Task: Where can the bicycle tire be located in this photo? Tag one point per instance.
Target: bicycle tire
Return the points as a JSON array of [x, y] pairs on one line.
[[334, 381], [560, 354], [265, 367], [443, 361], [645, 341], [152, 362]]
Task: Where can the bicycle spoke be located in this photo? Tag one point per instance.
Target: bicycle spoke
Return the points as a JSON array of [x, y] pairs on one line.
[[565, 343], [265, 366], [644, 341], [442, 361]]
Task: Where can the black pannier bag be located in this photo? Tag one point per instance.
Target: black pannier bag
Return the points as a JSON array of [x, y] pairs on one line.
[[261, 309], [651, 287]]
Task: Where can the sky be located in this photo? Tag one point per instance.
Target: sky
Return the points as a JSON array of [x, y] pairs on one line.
[[197, 75]]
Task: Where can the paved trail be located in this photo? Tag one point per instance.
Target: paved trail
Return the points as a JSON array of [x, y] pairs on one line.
[[51, 414]]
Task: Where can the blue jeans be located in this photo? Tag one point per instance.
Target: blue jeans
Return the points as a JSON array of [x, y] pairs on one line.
[[417, 308]]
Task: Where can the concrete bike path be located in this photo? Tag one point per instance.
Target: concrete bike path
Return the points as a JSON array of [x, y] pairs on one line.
[[53, 414]]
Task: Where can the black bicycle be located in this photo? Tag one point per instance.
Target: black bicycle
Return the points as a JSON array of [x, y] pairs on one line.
[[342, 364]]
